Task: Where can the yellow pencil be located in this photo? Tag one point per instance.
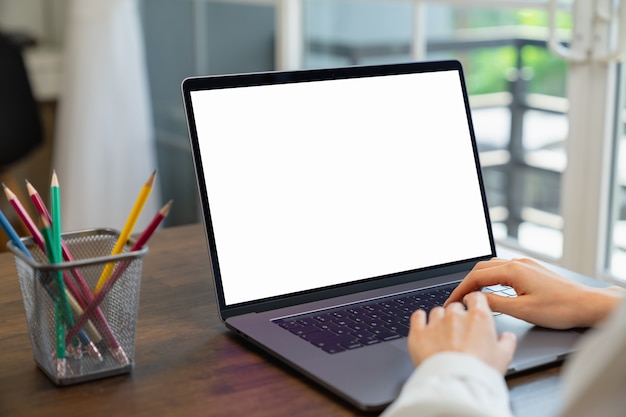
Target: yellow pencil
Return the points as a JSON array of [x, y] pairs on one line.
[[127, 230]]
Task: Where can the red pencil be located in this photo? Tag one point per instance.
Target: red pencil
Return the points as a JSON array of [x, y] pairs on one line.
[[156, 221], [121, 267], [26, 219]]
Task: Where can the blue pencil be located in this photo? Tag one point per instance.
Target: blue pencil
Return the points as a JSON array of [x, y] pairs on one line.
[[10, 231]]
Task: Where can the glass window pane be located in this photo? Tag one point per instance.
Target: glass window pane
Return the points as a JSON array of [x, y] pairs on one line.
[[517, 90]]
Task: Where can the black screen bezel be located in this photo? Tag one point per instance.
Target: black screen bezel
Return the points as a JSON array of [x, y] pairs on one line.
[[192, 84]]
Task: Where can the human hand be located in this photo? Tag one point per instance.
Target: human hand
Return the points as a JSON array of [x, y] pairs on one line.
[[543, 297], [456, 329]]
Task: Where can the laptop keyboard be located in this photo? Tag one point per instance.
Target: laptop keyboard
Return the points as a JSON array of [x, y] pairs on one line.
[[362, 324]]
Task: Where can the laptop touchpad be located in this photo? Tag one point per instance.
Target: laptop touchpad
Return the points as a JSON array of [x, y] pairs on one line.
[[536, 346]]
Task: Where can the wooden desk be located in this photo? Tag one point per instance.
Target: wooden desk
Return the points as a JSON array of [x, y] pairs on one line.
[[186, 362]]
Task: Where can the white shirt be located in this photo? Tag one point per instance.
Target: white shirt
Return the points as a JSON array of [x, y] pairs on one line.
[[457, 384]]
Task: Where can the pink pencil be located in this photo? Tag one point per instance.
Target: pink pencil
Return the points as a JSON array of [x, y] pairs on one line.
[[26, 219]]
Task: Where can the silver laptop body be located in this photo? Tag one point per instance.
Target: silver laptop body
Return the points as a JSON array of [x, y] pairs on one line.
[[326, 189]]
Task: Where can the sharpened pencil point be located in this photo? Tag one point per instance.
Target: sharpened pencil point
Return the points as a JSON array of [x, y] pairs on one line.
[[151, 179], [31, 189], [55, 180], [7, 191], [165, 210]]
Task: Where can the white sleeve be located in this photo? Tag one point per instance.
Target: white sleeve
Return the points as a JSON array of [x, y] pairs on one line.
[[595, 379], [452, 384]]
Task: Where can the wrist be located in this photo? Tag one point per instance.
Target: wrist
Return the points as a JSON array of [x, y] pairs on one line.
[[601, 302]]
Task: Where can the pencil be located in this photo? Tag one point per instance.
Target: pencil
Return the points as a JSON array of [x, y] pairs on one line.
[[12, 234], [99, 320], [139, 244], [61, 303], [54, 246], [127, 229], [73, 292], [24, 216]]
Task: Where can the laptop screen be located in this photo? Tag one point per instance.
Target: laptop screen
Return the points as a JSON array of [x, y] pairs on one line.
[[319, 183]]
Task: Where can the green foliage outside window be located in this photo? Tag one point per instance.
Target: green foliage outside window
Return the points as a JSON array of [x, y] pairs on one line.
[[490, 67]]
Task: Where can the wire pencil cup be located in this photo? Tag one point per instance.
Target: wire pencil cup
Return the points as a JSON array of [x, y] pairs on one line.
[[99, 330]]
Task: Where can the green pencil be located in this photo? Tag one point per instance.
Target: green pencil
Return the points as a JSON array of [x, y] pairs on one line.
[[56, 244], [52, 238], [60, 285]]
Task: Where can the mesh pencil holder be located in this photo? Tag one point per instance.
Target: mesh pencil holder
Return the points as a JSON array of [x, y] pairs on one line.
[[77, 336]]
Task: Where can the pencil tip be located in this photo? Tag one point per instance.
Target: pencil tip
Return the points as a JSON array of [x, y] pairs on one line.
[[166, 208], [7, 192], [30, 188], [55, 179], [151, 179]]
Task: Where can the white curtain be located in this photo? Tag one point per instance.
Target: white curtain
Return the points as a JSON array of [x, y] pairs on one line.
[[104, 146]]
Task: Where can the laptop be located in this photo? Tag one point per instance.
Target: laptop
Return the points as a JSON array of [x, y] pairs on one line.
[[337, 201]]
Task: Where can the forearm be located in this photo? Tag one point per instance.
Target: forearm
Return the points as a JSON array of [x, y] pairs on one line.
[[453, 384]]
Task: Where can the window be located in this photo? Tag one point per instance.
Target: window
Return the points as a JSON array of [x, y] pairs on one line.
[[544, 126]]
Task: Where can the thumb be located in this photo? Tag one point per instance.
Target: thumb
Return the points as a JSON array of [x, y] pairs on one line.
[[507, 342]]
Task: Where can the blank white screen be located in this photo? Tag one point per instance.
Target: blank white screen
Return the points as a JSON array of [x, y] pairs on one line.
[[322, 183]]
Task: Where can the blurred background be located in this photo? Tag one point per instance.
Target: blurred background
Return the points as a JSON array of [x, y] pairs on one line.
[[545, 79]]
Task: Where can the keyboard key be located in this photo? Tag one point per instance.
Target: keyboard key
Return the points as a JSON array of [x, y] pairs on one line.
[[332, 348], [363, 334], [509, 292], [374, 315], [289, 324], [342, 322], [317, 337], [398, 328], [353, 344], [322, 318], [358, 326], [369, 340], [304, 330], [385, 336]]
